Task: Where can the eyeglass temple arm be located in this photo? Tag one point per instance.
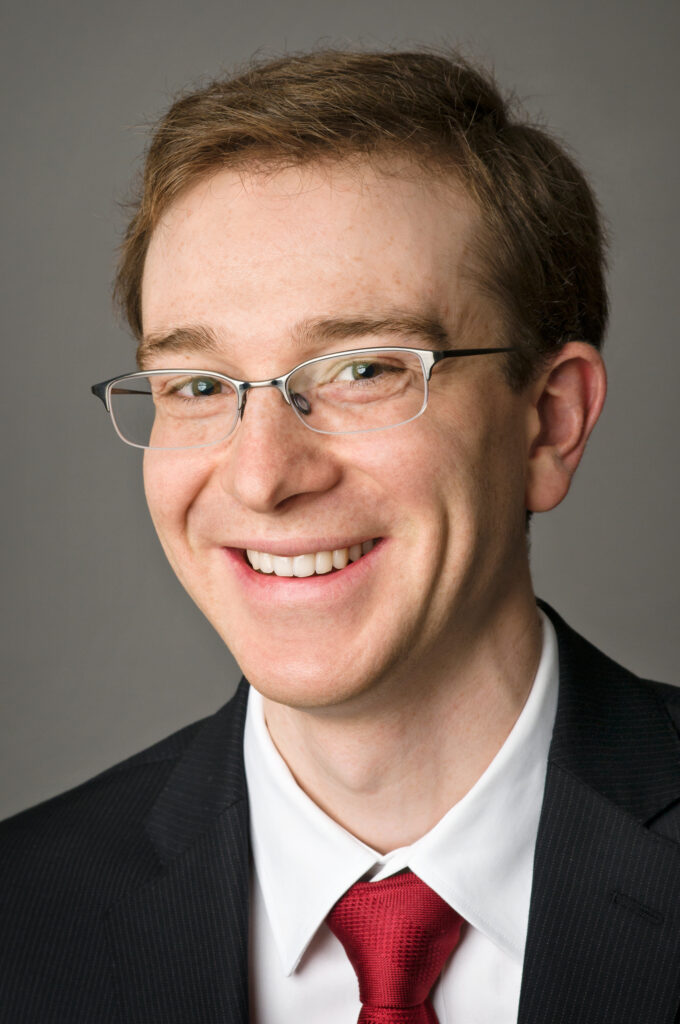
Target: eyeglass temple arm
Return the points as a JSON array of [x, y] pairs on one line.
[[100, 390], [457, 352]]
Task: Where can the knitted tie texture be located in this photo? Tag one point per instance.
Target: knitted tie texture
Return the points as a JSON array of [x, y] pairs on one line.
[[397, 934]]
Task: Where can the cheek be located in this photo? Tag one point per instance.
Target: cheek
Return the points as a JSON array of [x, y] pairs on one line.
[[477, 468], [172, 480], [406, 470], [499, 481]]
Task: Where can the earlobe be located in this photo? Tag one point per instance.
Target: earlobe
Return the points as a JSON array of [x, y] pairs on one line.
[[567, 401]]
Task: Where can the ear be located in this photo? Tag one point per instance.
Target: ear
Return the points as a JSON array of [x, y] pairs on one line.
[[567, 400]]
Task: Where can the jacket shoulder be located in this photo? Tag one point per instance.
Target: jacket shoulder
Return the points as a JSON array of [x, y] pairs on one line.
[[669, 697], [64, 842], [68, 863], [586, 660], [667, 693]]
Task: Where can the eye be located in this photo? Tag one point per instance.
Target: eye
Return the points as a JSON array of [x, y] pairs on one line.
[[176, 386], [183, 394], [364, 369], [197, 387]]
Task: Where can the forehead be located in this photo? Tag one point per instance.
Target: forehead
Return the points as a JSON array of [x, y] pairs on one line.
[[249, 254]]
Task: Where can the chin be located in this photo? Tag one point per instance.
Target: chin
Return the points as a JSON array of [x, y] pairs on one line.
[[306, 683]]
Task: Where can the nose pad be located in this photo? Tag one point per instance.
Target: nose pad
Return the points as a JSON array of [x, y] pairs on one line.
[[264, 417], [301, 403], [243, 404]]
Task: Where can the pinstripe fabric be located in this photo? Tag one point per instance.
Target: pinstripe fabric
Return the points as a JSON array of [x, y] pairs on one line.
[[125, 901], [604, 939], [181, 941], [604, 928]]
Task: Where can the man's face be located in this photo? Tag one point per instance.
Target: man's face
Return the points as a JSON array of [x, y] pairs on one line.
[[252, 260]]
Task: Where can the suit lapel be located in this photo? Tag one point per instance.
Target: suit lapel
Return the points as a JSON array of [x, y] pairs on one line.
[[180, 939], [603, 942]]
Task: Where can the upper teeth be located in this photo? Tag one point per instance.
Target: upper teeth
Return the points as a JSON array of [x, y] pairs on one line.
[[307, 565]]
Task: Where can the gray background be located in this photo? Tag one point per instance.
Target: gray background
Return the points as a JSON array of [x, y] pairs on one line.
[[102, 650]]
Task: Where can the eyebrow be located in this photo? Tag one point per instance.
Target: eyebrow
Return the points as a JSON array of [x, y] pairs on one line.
[[190, 338], [308, 334]]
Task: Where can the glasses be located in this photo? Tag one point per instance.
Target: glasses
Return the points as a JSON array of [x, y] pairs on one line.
[[353, 392]]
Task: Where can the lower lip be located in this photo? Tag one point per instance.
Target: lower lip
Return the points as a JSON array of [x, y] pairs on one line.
[[292, 590]]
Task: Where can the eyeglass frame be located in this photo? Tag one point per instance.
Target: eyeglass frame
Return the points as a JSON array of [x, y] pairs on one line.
[[428, 360]]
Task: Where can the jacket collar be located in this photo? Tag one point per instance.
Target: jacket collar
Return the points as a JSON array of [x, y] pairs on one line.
[[208, 779], [612, 730]]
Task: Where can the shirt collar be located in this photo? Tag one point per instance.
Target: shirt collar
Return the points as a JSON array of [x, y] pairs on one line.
[[479, 856]]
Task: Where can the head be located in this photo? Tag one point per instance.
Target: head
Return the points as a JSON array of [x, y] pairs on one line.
[[341, 188], [538, 253]]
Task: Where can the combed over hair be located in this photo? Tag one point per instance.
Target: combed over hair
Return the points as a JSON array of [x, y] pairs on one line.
[[540, 254]]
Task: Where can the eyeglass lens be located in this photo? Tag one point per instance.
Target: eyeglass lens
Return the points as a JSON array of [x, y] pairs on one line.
[[339, 394]]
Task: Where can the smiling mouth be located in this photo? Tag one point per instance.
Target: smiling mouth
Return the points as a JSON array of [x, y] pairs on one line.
[[315, 563]]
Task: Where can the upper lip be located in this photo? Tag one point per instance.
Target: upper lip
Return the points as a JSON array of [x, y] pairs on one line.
[[295, 547]]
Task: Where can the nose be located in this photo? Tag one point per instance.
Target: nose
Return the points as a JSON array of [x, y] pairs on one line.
[[272, 457]]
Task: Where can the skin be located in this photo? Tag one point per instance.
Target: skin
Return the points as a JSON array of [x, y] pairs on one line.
[[387, 690]]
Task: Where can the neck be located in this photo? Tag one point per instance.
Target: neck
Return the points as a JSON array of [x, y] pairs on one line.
[[389, 771]]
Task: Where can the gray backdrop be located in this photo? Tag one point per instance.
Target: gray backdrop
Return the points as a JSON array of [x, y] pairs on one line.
[[103, 652]]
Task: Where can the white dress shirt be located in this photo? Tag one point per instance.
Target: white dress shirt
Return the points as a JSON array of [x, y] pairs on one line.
[[478, 857]]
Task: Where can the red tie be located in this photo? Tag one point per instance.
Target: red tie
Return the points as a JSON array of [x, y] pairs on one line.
[[398, 934]]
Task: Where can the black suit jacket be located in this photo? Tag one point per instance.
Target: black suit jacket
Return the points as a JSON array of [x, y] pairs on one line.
[[125, 901]]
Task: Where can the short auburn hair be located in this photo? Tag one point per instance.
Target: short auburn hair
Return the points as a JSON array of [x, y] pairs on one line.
[[540, 253]]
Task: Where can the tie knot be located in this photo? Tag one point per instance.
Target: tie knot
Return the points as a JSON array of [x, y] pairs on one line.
[[397, 934]]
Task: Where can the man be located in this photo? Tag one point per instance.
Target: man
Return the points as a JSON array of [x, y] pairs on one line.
[[436, 802]]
